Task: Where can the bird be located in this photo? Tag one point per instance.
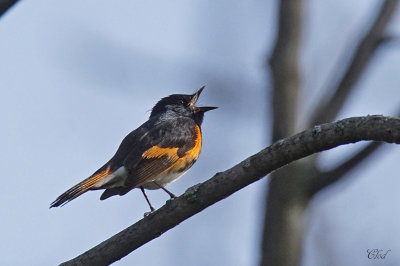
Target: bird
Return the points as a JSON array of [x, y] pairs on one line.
[[152, 156]]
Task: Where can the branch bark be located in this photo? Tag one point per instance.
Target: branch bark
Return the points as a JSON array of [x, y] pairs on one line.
[[323, 179], [332, 103], [221, 185]]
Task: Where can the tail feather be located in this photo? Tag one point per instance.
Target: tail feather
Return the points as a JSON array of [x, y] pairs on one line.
[[80, 188], [71, 194], [109, 192]]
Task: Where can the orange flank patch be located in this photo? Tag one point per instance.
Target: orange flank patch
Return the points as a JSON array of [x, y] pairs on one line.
[[172, 153], [94, 179], [175, 165], [190, 156], [195, 151], [157, 152]]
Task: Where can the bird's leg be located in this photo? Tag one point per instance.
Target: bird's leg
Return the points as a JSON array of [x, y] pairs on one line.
[[163, 188], [147, 199]]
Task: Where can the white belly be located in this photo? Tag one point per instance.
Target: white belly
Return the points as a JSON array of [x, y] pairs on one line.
[[164, 180]]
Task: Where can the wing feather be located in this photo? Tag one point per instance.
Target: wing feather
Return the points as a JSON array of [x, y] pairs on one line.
[[167, 143]]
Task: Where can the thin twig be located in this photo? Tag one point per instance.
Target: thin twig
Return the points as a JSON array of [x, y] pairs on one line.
[[222, 185]]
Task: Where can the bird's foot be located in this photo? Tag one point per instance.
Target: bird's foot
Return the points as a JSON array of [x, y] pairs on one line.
[[152, 210]]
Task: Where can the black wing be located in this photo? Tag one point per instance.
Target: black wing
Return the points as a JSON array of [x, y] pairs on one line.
[[152, 150], [164, 145]]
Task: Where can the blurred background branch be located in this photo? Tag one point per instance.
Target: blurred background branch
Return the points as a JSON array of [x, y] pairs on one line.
[[281, 235], [292, 187], [326, 178], [284, 69], [5, 5], [338, 92]]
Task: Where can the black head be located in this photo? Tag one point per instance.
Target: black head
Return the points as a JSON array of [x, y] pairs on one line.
[[181, 105]]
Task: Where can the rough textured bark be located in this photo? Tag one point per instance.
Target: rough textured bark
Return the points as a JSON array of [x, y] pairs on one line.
[[221, 185]]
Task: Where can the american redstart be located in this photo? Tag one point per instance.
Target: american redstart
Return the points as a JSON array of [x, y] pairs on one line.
[[153, 155]]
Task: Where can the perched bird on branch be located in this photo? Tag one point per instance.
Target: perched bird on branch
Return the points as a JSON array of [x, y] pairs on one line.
[[153, 155]]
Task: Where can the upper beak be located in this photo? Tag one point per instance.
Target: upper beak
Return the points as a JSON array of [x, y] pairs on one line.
[[195, 97]]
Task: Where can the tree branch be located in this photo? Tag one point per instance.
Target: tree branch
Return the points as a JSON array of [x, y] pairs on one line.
[[331, 104], [221, 185], [326, 178], [5, 5]]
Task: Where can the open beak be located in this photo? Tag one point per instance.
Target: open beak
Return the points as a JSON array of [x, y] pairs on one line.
[[195, 97]]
